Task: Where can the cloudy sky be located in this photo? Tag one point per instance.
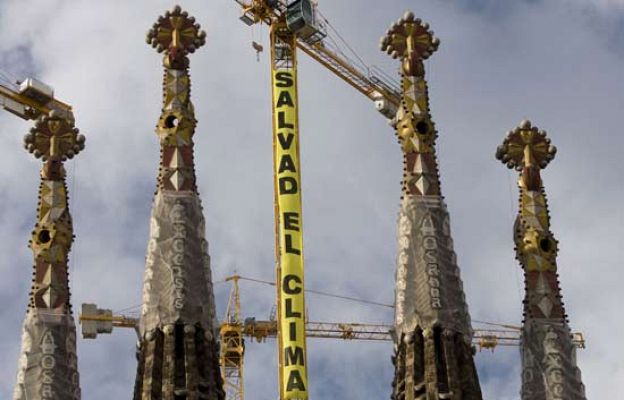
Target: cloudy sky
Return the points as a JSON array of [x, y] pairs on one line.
[[559, 63]]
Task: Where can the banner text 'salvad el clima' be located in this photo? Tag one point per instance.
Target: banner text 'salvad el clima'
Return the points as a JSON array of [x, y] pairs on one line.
[[288, 188]]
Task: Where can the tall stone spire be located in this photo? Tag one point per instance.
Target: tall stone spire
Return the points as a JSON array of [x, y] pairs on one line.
[[48, 364], [549, 368], [178, 352], [433, 352]]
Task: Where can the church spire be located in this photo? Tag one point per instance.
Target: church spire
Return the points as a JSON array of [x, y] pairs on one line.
[[178, 352], [48, 364], [549, 368], [433, 352]]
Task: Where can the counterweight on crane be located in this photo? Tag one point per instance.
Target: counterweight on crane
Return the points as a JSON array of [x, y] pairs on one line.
[[31, 99]]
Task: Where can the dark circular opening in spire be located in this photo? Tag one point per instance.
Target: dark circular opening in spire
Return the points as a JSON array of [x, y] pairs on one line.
[[171, 121], [422, 127], [44, 236], [545, 245]]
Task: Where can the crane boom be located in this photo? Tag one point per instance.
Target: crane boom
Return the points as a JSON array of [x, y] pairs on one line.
[[379, 89], [373, 87], [483, 338], [260, 331], [32, 99]]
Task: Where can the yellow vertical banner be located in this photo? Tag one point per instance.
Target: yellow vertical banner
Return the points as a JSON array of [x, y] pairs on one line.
[[290, 235]]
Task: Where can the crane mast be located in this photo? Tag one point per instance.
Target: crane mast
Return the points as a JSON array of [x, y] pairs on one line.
[[232, 346]]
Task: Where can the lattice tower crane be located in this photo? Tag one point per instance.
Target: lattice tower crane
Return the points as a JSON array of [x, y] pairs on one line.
[[234, 329]]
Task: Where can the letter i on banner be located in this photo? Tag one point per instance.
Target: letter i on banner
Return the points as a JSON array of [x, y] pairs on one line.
[[288, 178]]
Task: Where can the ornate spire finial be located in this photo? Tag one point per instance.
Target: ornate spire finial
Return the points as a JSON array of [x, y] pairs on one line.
[[176, 34], [54, 139], [525, 146], [411, 40], [527, 149]]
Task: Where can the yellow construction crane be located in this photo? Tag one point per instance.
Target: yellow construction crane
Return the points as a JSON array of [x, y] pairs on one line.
[[296, 25], [234, 330], [30, 99], [483, 338], [232, 346]]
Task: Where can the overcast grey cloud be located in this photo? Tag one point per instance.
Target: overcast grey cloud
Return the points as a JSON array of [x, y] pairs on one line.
[[559, 63]]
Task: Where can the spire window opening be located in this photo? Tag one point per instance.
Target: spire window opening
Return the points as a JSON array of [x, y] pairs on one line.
[[44, 236]]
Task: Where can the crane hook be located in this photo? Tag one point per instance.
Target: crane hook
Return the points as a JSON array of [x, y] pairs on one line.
[[258, 48]]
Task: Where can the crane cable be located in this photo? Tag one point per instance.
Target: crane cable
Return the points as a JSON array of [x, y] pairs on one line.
[[511, 212], [353, 52], [355, 299], [513, 327], [507, 326], [9, 79], [265, 282], [72, 196]]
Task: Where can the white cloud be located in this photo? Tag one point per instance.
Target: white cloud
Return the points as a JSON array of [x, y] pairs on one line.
[[602, 3]]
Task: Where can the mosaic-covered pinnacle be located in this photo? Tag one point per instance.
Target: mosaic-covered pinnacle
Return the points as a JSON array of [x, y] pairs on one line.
[[411, 40], [526, 146], [54, 136], [176, 34]]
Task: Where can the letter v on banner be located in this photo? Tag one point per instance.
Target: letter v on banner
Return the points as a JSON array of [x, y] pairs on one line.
[[288, 220]]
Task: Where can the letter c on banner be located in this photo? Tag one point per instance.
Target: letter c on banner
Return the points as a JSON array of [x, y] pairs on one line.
[[286, 286]]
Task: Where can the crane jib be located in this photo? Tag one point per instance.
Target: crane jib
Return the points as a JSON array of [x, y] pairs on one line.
[[290, 238]]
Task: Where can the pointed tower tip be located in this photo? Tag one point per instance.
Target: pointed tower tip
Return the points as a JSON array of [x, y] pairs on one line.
[[54, 135], [525, 146], [176, 34], [409, 37]]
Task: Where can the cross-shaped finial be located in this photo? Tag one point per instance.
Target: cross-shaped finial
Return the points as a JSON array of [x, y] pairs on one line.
[[54, 139], [177, 34], [411, 40], [54, 136], [526, 146]]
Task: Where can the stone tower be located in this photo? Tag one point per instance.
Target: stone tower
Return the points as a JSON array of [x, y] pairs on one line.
[[48, 364], [549, 370], [178, 352], [433, 352]]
